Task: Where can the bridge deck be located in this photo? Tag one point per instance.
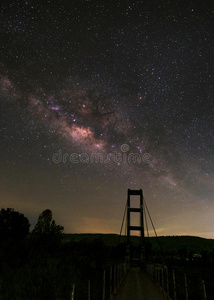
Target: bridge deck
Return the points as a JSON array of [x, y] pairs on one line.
[[138, 286]]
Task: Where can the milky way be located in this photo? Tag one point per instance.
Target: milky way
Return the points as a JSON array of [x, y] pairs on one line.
[[124, 79]]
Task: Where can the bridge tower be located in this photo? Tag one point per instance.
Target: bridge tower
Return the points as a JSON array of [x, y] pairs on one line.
[[135, 254]]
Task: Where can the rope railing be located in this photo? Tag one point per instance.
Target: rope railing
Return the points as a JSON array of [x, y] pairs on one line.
[[177, 285], [105, 288]]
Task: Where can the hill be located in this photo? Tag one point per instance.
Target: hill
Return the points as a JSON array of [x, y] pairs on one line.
[[168, 243]]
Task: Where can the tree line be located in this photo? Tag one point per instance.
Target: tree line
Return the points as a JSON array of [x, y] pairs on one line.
[[39, 264]]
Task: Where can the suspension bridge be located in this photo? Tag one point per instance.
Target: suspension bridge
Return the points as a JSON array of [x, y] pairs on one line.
[[137, 278], [137, 284]]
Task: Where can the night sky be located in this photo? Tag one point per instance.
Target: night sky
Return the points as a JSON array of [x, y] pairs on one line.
[[100, 96]]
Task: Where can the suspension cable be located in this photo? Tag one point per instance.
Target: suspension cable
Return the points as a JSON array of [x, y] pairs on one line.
[[154, 230], [144, 212], [125, 231]]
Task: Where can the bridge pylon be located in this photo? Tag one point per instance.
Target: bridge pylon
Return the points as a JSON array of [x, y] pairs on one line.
[[135, 254]]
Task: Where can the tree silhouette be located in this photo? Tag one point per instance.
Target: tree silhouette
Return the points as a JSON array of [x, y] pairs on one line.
[[46, 227], [13, 224]]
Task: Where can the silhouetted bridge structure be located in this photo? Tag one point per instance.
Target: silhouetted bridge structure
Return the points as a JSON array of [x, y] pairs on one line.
[[143, 281], [136, 278]]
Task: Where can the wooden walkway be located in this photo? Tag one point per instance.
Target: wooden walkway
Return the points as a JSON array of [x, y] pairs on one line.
[[138, 286]]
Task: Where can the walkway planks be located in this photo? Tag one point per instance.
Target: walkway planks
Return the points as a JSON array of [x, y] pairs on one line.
[[138, 286]]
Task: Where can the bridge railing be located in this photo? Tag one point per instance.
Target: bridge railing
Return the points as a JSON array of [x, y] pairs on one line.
[[116, 274], [176, 284], [103, 284]]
